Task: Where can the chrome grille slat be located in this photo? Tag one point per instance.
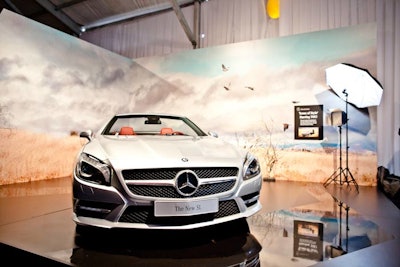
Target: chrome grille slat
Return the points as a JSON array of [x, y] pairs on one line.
[[166, 174], [170, 192], [159, 183]]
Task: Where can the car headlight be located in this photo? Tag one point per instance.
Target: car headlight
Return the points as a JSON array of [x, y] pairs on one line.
[[251, 167], [93, 170]]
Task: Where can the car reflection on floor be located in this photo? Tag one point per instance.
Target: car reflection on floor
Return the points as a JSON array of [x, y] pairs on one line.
[[228, 244]]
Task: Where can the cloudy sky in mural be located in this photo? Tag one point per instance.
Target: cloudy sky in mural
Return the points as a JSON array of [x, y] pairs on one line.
[[53, 82], [243, 86]]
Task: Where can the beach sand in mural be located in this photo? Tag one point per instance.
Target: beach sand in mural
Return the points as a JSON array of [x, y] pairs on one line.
[[27, 156]]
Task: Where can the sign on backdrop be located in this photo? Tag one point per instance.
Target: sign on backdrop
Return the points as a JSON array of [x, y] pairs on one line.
[[308, 122]]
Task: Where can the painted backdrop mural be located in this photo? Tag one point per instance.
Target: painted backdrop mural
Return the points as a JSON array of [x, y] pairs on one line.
[[53, 85]]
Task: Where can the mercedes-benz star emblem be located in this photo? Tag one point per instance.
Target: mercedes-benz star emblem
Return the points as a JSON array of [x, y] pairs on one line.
[[186, 183]]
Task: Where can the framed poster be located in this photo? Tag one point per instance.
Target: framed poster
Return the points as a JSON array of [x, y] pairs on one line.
[[308, 122]]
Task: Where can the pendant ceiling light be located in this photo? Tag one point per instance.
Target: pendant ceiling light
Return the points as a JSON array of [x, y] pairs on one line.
[[273, 9]]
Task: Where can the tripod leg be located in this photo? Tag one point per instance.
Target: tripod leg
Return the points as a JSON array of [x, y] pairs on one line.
[[331, 178], [334, 176], [347, 173], [339, 171]]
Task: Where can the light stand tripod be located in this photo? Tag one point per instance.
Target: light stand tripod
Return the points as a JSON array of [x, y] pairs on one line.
[[339, 171], [346, 171]]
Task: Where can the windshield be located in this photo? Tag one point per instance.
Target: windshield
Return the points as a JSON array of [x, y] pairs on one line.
[[151, 125]]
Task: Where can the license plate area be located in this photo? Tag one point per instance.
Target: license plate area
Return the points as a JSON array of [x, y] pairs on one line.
[[185, 208]]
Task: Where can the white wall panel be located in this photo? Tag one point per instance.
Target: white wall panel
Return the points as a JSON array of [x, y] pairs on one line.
[[232, 21], [222, 22], [158, 34], [300, 16], [388, 138]]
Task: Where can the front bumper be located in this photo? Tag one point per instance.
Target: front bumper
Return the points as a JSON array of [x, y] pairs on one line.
[[107, 207]]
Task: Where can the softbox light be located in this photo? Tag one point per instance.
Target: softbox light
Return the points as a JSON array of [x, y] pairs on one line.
[[338, 117]]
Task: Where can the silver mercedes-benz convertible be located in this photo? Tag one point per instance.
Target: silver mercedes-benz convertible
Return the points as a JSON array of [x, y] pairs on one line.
[[158, 171]]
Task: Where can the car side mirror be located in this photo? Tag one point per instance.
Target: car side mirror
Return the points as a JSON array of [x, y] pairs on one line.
[[213, 134], [86, 134]]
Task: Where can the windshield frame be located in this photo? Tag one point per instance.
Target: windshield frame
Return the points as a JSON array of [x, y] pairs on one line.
[[152, 123]]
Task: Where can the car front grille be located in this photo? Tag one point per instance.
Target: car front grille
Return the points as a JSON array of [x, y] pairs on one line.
[[170, 192], [145, 214], [165, 191], [170, 173]]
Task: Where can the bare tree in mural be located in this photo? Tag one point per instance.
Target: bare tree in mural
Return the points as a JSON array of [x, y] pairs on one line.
[[269, 154], [266, 151]]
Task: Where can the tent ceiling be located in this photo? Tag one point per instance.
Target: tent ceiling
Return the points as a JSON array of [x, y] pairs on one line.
[[75, 16]]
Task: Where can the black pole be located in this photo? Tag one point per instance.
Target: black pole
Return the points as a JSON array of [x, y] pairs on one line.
[[340, 170], [348, 173], [340, 155], [347, 227], [340, 224], [347, 133]]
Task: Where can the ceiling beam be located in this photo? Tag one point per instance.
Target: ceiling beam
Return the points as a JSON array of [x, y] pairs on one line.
[[133, 14], [61, 16], [196, 22], [13, 7], [68, 4], [183, 22]]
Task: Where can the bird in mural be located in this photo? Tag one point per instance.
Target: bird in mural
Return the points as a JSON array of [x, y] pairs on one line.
[[249, 87], [285, 126], [224, 68], [227, 87]]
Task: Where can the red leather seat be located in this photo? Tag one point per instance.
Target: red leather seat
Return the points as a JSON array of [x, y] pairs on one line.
[[166, 131], [126, 130]]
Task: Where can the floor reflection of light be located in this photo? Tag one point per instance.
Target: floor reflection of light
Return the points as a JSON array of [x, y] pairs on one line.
[[344, 231]]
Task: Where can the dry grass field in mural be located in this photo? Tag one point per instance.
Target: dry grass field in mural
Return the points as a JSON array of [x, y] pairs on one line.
[[26, 156], [319, 165]]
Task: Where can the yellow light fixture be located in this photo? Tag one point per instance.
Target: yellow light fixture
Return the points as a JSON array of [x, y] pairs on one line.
[[273, 9]]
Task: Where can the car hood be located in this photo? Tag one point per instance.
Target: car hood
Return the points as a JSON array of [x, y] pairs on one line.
[[124, 152]]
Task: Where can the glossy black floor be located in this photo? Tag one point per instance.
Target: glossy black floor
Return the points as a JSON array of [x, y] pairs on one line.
[[301, 224]]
